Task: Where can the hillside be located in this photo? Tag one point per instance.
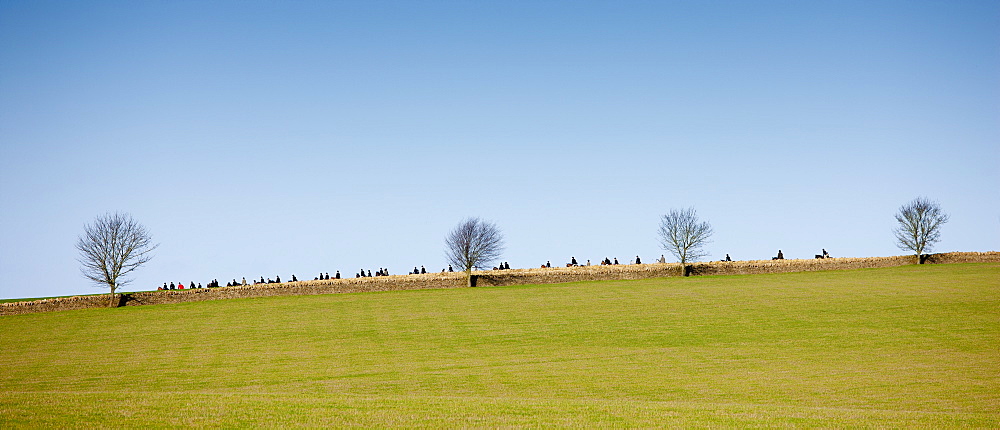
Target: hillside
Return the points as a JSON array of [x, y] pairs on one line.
[[901, 346], [551, 275]]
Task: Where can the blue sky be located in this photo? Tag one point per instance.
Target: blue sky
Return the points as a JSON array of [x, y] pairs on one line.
[[278, 138]]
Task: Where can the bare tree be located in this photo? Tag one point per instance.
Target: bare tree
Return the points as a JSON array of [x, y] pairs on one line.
[[683, 235], [919, 226], [112, 247], [474, 243]]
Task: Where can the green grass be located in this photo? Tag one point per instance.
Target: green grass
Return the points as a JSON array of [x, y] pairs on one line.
[[907, 346]]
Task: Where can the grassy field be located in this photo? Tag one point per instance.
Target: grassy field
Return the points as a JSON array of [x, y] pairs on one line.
[[907, 346]]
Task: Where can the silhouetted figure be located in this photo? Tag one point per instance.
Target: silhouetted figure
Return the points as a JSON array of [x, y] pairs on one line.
[[573, 261], [548, 264], [369, 273], [826, 254], [357, 275], [415, 271], [662, 259], [588, 262], [172, 287], [780, 256], [277, 279], [506, 265], [422, 270], [165, 286], [199, 285], [637, 261], [450, 269], [727, 258], [616, 261], [338, 275]]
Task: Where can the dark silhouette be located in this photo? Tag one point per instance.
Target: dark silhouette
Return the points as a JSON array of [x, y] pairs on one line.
[[616, 261], [637, 260], [338, 275], [779, 257], [450, 269], [573, 261]]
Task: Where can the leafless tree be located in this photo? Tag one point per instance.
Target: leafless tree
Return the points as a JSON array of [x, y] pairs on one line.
[[919, 226], [474, 243], [683, 235], [112, 247]]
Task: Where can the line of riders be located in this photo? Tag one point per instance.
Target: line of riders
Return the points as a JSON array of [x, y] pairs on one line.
[[385, 272]]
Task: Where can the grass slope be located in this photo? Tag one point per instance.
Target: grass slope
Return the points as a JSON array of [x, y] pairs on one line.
[[907, 346]]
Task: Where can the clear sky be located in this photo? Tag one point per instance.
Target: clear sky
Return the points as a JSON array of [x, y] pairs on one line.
[[277, 138]]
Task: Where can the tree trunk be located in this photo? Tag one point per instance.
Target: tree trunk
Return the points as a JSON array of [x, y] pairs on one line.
[[114, 303], [472, 280]]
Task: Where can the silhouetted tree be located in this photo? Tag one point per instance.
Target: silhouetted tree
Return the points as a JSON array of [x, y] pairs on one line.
[[919, 227], [683, 235], [474, 243], [112, 247]]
